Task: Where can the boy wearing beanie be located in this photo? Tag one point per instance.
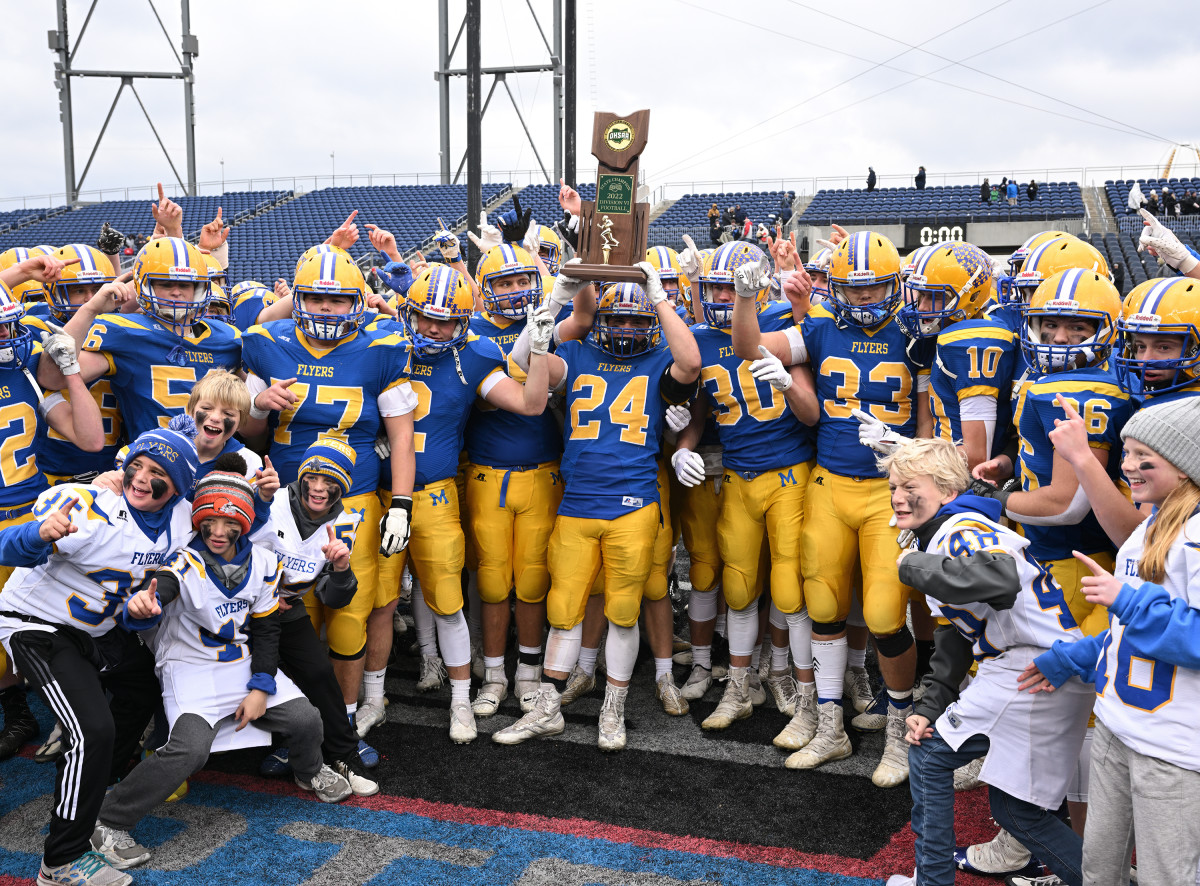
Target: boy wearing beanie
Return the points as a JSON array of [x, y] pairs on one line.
[[86, 551], [219, 593]]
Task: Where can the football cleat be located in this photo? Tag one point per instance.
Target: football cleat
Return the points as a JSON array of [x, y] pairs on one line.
[[527, 687], [90, 869], [370, 714], [579, 684], [783, 691], [966, 777], [19, 723], [119, 849], [1001, 855], [432, 673], [893, 766], [735, 703], [327, 785], [462, 723], [612, 718], [829, 744], [874, 718], [758, 695], [668, 694], [857, 686], [803, 726], [697, 683], [493, 691], [477, 667], [544, 719]]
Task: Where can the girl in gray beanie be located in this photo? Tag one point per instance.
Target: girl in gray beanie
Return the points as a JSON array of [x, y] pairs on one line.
[[1146, 666]]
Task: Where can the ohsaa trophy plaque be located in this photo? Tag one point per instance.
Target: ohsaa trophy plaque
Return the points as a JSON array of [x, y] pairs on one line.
[[613, 229]]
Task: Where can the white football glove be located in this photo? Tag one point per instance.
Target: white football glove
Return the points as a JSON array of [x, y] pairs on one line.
[[750, 279], [1165, 244], [567, 287], [689, 467], [489, 235], [689, 259], [678, 417], [395, 526], [541, 328], [879, 436], [654, 289], [60, 348], [383, 446], [771, 370], [533, 240], [447, 244]]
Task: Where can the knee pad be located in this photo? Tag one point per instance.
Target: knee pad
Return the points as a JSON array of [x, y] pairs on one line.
[[741, 627], [620, 651], [562, 649], [777, 618], [828, 629], [454, 638], [702, 605], [894, 645]]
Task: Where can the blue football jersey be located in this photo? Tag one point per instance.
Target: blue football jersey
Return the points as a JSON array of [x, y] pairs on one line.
[[249, 305], [338, 388], [22, 431], [975, 358], [1104, 408], [613, 432], [501, 439], [754, 424], [857, 368], [444, 400], [153, 370]]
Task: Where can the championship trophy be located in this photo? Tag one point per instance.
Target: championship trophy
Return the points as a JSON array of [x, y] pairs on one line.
[[613, 229]]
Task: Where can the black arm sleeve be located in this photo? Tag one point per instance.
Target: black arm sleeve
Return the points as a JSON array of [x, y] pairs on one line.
[[264, 643], [985, 577], [336, 589], [948, 668], [167, 587], [675, 392]]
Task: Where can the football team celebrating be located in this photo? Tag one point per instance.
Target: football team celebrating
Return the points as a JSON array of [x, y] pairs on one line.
[[213, 498]]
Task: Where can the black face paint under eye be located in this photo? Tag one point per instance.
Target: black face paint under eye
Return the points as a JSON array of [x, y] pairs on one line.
[[1146, 466], [228, 425], [158, 488], [127, 478], [205, 531], [915, 503], [201, 417]]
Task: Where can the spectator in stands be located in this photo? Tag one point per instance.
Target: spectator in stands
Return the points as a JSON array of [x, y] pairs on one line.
[[995, 193], [1170, 203], [1152, 203], [985, 192], [739, 214], [727, 217], [714, 228], [714, 216], [1190, 204], [920, 179], [1012, 190], [1004, 182], [785, 207], [871, 178], [1136, 199], [1031, 190], [1118, 272]]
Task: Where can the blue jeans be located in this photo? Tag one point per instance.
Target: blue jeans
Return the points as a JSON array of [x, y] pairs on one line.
[[1043, 833], [931, 766]]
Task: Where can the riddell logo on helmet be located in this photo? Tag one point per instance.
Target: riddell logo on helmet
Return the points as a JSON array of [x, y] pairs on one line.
[[1152, 320], [1063, 304], [326, 284], [182, 272], [867, 276]]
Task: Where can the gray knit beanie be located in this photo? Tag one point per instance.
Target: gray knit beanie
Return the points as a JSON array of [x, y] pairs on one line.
[[1172, 430]]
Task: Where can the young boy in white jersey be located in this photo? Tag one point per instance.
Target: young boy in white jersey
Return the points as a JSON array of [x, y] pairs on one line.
[[220, 596], [1145, 774], [1003, 609]]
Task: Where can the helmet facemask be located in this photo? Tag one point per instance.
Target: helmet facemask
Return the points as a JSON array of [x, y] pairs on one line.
[[328, 325]]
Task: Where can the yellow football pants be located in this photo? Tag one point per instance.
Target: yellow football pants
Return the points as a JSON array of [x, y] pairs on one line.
[[346, 628], [700, 513], [580, 546], [768, 508], [1092, 619], [845, 517], [511, 516], [436, 548]]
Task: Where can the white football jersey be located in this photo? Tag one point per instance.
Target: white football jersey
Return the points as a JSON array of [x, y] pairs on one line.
[[86, 580], [1040, 614], [1153, 706], [301, 558]]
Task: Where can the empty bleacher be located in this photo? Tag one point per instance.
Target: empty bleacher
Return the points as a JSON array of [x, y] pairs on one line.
[[543, 200], [857, 206], [22, 218]]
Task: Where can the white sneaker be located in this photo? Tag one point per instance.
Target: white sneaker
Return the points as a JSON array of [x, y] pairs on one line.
[[683, 657], [579, 684], [1001, 855], [90, 869], [857, 686], [370, 714], [493, 691], [697, 683], [462, 723], [754, 685], [119, 849], [612, 718], [544, 719], [735, 703], [327, 785], [1046, 879], [893, 766], [432, 674], [783, 690], [966, 777], [668, 694], [526, 687], [902, 880], [359, 783], [803, 726], [829, 744]]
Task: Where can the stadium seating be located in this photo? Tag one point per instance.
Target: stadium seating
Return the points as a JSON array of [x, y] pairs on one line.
[[19, 218], [133, 217], [692, 209], [935, 205], [1131, 223], [266, 248], [1139, 267], [543, 200]]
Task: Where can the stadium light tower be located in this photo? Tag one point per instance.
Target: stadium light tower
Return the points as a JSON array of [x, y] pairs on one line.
[[63, 74], [1174, 154]]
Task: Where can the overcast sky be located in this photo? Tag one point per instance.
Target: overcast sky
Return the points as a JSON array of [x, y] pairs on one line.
[[775, 88]]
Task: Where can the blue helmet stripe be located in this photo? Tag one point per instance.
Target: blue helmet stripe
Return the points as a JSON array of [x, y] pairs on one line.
[[1067, 285], [328, 264], [924, 259], [1154, 296], [178, 247]]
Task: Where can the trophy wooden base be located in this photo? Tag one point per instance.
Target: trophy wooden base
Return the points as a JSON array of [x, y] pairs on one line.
[[606, 273]]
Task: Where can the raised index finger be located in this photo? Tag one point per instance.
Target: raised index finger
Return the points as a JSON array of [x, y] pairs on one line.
[[1066, 406], [1091, 564], [161, 195], [349, 218], [329, 527], [287, 382], [69, 504]]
